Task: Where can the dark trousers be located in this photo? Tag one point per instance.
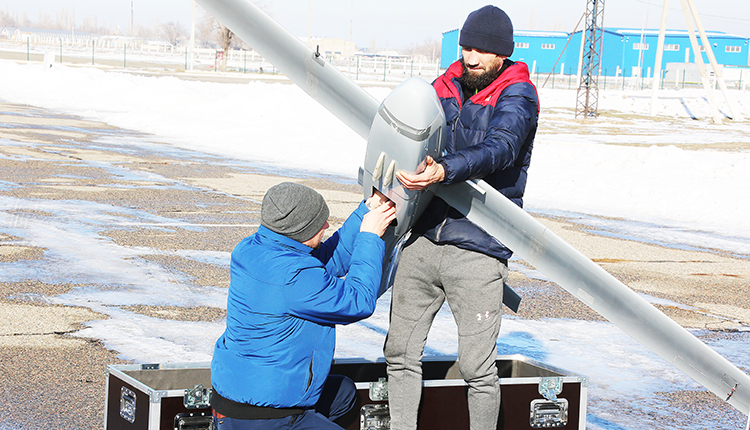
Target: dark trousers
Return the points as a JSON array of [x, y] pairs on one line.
[[338, 397]]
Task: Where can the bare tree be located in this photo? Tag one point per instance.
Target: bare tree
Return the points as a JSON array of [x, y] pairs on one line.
[[90, 25], [148, 33], [172, 32], [204, 28], [429, 49], [24, 21], [226, 36], [45, 21], [65, 20], [373, 46], [213, 33], [6, 20]]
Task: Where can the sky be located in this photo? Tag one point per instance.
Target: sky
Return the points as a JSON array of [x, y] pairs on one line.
[[639, 183], [398, 24]]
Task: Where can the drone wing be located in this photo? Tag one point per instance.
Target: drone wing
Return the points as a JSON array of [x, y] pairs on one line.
[[534, 243]]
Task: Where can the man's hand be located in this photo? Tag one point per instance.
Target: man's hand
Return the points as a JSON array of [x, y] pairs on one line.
[[379, 217], [376, 200], [433, 172]]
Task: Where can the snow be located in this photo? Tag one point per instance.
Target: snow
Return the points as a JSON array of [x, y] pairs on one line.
[[668, 179]]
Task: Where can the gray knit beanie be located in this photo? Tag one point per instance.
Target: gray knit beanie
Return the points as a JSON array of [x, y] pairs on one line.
[[488, 29], [293, 210]]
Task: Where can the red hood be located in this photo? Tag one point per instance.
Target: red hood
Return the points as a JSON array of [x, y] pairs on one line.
[[517, 72]]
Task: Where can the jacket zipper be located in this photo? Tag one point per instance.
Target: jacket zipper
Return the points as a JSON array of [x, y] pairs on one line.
[[455, 122], [453, 128], [442, 224]]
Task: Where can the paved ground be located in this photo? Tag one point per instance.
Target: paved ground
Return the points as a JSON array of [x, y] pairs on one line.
[[54, 380]]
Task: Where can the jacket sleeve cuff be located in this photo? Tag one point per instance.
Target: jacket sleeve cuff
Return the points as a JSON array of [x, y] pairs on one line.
[[450, 167], [361, 210]]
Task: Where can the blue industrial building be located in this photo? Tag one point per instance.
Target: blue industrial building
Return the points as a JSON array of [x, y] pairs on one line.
[[624, 52], [449, 49], [541, 51], [538, 49]]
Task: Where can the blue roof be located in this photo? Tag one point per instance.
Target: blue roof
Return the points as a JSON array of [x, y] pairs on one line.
[[668, 32], [535, 33], [44, 30]]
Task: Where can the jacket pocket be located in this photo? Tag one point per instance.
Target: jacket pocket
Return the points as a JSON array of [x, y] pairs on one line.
[[310, 373]]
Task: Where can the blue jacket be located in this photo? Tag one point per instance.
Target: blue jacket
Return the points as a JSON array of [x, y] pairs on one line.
[[489, 137], [284, 301]]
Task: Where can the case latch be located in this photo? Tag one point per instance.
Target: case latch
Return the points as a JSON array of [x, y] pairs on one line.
[[379, 390], [197, 398], [549, 388], [375, 417], [127, 404], [549, 412]]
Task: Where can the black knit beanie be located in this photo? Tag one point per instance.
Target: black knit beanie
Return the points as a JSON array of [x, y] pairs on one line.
[[488, 29], [293, 210]]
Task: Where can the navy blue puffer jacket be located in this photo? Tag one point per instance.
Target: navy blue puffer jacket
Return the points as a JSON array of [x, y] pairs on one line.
[[490, 137]]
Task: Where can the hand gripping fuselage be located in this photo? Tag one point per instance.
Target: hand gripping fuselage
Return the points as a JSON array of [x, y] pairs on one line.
[[407, 128], [483, 205]]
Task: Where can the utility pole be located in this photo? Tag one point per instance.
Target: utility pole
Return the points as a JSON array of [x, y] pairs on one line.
[[587, 101], [309, 21], [192, 38], [692, 20]]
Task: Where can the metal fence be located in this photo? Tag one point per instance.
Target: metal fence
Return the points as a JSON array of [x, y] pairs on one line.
[[360, 68], [734, 79], [386, 69]]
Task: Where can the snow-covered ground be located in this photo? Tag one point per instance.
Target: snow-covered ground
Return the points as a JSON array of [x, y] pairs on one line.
[[668, 179]]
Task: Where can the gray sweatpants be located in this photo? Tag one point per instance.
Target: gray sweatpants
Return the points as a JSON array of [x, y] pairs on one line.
[[472, 283]]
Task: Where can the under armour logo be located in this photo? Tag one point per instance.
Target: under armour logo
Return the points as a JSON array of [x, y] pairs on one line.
[[486, 316]]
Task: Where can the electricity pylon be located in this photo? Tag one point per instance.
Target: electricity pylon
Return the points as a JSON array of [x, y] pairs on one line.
[[588, 88]]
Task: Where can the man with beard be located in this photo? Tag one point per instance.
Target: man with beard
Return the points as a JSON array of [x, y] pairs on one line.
[[491, 109]]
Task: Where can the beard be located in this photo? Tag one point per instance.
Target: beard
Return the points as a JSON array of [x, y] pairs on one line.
[[477, 82]]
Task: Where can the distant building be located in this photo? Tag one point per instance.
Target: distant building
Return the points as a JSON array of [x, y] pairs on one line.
[[382, 55], [624, 51], [540, 50], [40, 36], [47, 37], [449, 49], [632, 52], [120, 42], [7, 32], [331, 49]]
